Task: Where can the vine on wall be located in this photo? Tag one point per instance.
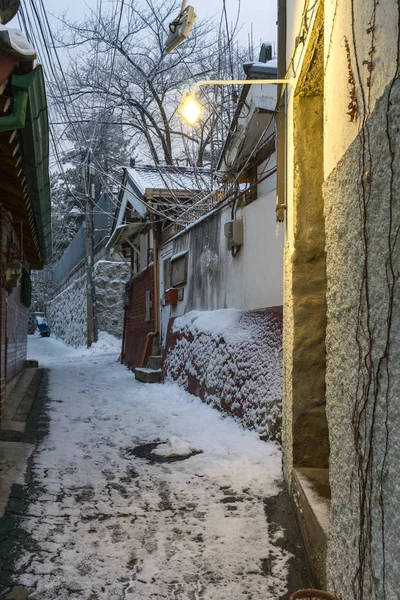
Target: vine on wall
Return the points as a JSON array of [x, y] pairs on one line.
[[373, 383]]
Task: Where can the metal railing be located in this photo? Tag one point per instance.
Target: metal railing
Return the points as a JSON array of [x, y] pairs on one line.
[[74, 255]]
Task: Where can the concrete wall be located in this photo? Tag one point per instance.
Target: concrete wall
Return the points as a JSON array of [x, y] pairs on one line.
[[363, 261], [66, 312], [305, 271], [253, 278]]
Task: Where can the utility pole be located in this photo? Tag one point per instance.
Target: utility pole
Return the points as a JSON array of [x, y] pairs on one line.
[[90, 287]]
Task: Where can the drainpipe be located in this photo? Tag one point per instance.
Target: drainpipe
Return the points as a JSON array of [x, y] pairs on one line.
[[123, 337], [281, 116], [6, 349], [152, 334]]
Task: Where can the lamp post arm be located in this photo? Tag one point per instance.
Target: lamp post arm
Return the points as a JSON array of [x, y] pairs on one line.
[[240, 82]]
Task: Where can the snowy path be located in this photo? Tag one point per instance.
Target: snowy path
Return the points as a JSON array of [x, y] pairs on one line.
[[110, 525]]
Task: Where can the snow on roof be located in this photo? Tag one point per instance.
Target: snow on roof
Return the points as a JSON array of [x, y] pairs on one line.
[[169, 178], [15, 42], [273, 63]]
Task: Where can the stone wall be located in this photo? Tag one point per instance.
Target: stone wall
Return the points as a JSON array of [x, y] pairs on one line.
[[110, 278], [363, 348], [66, 312]]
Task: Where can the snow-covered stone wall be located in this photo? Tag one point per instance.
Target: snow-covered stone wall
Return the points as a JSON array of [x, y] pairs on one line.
[[66, 312], [231, 359]]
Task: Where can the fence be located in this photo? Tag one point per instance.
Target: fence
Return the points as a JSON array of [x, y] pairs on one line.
[[74, 255]]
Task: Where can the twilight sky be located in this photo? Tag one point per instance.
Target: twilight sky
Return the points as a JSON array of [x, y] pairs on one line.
[[262, 13]]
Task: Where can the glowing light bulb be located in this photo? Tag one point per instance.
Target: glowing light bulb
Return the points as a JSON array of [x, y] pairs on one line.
[[190, 109]]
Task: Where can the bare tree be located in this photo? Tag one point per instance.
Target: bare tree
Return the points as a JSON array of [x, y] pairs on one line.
[[120, 74]]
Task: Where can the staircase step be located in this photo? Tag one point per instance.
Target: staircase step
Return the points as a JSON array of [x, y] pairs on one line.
[[155, 362], [148, 375]]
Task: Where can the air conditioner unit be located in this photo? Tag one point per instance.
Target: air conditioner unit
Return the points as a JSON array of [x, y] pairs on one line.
[[180, 28], [233, 231]]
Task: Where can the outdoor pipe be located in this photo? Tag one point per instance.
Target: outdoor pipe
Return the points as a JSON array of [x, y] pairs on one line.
[[281, 115], [17, 119], [123, 338], [20, 87], [152, 334]]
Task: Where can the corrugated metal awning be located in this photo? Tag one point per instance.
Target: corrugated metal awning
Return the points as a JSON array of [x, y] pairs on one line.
[[125, 233]]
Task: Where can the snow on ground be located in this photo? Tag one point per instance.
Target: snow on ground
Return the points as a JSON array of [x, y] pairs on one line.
[[175, 447], [52, 350], [110, 525]]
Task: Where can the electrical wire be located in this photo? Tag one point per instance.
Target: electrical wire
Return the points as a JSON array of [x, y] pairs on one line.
[[107, 175]]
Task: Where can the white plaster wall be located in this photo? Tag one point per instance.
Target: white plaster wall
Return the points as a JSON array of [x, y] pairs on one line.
[[253, 278], [262, 253], [339, 25]]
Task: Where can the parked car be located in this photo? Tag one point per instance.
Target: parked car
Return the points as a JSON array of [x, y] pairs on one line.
[[42, 326]]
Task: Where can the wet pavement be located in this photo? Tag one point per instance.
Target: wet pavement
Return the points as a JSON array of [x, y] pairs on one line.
[[98, 517]]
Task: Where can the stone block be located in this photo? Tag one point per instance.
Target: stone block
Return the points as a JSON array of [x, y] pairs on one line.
[[148, 375], [155, 362], [31, 364]]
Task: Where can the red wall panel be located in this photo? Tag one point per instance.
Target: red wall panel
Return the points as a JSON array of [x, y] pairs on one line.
[[136, 326]]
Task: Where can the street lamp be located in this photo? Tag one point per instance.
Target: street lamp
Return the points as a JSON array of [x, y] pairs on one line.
[[190, 109]]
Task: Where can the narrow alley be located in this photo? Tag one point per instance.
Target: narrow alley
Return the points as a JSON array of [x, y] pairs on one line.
[[104, 517]]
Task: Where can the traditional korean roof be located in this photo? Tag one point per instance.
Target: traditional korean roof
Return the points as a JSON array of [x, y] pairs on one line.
[[24, 154]]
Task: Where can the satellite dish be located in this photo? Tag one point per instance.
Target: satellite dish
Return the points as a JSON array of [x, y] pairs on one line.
[[8, 10]]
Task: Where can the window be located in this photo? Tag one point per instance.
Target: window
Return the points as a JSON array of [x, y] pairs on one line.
[[179, 268]]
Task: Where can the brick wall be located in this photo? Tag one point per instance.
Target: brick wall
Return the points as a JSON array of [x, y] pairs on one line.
[[136, 326]]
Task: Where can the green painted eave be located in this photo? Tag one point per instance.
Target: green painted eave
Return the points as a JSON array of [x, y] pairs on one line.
[[34, 149]]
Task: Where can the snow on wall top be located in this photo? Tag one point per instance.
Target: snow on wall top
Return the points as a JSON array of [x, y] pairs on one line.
[[218, 323]]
